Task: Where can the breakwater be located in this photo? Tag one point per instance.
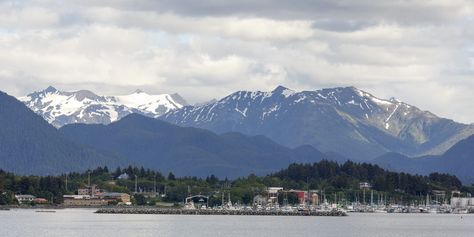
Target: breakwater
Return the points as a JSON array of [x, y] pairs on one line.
[[176, 211]]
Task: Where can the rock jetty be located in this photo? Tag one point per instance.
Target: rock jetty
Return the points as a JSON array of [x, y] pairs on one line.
[[176, 211]]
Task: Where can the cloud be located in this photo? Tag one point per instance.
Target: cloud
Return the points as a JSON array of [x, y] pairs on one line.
[[24, 18], [406, 12], [419, 51]]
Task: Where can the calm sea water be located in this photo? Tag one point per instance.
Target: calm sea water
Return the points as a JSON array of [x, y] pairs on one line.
[[83, 222]]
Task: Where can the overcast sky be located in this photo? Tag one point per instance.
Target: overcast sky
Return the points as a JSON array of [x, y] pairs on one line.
[[421, 52]]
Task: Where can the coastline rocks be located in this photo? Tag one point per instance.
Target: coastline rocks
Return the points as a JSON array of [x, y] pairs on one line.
[[173, 211]]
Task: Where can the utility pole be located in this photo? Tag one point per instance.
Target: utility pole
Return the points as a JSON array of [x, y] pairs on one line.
[[371, 197], [66, 183], [136, 184], [363, 195], [222, 201], [307, 202], [155, 186]]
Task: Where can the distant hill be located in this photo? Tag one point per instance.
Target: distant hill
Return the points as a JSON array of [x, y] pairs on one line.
[[159, 145], [29, 145], [345, 120], [348, 175], [458, 160]]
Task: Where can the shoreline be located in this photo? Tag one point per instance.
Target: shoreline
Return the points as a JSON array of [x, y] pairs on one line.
[[180, 211]]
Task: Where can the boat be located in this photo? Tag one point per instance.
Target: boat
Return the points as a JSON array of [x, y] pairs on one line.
[[394, 209], [460, 211], [49, 211], [189, 205]]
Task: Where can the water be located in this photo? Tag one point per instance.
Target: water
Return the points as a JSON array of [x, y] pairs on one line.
[[83, 222]]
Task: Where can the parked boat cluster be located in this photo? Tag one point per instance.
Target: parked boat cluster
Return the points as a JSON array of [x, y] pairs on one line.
[[395, 208]]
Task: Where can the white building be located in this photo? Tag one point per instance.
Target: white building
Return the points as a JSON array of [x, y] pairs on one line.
[[365, 185], [274, 190], [25, 198], [273, 194], [462, 202], [123, 176]]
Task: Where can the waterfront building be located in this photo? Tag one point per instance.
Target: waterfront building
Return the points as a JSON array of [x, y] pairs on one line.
[[83, 200], [91, 195], [120, 197], [91, 190], [462, 202], [22, 199], [306, 197], [314, 197], [40, 201], [273, 194]]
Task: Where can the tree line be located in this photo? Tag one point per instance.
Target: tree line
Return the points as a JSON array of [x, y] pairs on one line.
[[327, 177]]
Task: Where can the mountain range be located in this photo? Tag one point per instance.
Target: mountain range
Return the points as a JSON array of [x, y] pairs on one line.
[[29, 145], [346, 120], [60, 108], [235, 135]]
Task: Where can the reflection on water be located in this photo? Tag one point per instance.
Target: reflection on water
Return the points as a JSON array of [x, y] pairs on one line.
[[83, 222]]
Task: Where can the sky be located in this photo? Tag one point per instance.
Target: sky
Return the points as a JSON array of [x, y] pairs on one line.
[[421, 52]]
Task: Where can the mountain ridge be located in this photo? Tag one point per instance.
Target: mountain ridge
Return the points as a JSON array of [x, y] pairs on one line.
[[346, 120], [83, 106], [458, 160], [333, 119]]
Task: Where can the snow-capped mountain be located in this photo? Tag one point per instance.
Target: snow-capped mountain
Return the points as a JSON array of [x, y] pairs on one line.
[[60, 108], [153, 105], [346, 120]]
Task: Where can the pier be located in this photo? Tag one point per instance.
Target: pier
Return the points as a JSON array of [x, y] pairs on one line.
[[176, 211]]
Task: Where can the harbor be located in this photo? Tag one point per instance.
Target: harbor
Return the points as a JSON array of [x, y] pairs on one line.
[[308, 205], [273, 201]]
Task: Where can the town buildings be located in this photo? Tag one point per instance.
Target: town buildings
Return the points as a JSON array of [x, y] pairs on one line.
[[93, 196]]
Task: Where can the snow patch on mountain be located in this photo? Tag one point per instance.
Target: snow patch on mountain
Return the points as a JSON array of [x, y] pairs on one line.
[[156, 105], [60, 108]]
